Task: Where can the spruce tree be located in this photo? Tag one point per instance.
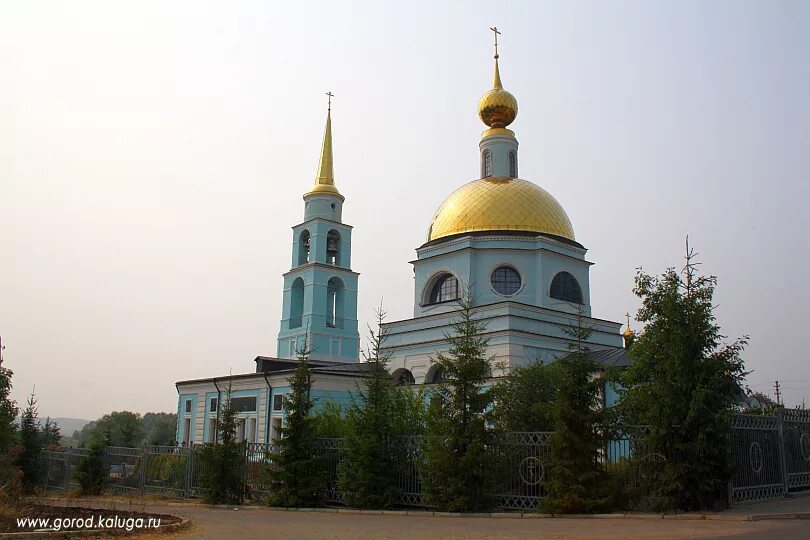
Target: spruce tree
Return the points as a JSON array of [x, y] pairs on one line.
[[90, 473], [368, 472], [8, 412], [458, 474], [30, 437], [683, 383], [221, 471], [296, 474], [51, 434], [9, 473], [524, 398], [576, 481]]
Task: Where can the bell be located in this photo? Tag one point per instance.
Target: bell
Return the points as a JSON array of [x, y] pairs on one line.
[[332, 245]]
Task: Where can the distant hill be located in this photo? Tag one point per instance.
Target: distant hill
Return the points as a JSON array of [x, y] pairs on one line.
[[68, 425]]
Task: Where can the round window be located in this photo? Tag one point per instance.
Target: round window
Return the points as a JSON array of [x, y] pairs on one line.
[[505, 280]]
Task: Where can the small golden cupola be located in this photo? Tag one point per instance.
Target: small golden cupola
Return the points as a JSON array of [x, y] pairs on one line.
[[497, 108], [628, 333]]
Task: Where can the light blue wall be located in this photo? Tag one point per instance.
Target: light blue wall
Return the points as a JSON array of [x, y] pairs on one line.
[[207, 415], [499, 146], [334, 340], [472, 260], [182, 415]]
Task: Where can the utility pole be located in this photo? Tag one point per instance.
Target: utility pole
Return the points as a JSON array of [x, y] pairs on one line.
[[1, 351], [778, 393]]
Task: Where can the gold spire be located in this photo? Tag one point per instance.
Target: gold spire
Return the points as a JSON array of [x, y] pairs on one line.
[[497, 81], [325, 181], [497, 108]]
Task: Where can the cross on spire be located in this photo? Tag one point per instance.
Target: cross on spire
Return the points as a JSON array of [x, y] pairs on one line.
[[331, 95], [495, 30], [628, 319]]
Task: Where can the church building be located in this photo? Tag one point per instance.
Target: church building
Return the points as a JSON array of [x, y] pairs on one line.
[[506, 238]]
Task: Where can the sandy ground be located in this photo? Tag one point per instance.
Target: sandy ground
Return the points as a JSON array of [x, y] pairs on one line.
[[221, 523]]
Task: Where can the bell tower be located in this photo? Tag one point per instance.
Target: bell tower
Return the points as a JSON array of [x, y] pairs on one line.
[[320, 290]]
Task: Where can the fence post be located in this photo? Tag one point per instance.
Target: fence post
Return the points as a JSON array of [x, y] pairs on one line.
[[189, 470], [780, 418], [144, 465], [68, 463], [244, 470]]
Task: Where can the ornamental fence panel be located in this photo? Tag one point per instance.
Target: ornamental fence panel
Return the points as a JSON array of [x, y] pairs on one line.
[[770, 456], [257, 461], [796, 433], [409, 458], [522, 459], [124, 469], [166, 472], [329, 451]]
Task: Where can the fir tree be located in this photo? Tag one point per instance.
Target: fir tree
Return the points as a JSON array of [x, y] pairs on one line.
[[90, 473], [368, 472], [9, 451], [459, 473], [8, 412], [30, 437], [51, 434], [296, 474], [524, 398], [221, 471], [577, 482], [683, 384]]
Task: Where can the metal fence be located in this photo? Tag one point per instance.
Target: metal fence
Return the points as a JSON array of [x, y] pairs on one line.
[[770, 457]]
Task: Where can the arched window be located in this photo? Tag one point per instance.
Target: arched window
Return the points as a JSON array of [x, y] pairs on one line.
[[296, 303], [512, 165], [565, 287], [435, 375], [444, 289], [334, 303], [303, 247], [403, 377], [486, 164], [505, 280], [333, 247]]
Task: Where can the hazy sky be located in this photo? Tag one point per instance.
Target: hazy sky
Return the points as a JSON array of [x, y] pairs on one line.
[[153, 156]]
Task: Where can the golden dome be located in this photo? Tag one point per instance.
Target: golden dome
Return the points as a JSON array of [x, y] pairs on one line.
[[500, 203], [497, 108], [628, 333]]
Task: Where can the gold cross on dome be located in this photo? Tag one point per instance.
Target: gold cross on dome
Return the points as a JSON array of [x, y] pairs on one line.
[[331, 95], [495, 29]]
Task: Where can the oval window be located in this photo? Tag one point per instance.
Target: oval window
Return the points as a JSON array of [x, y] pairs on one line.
[[505, 280]]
